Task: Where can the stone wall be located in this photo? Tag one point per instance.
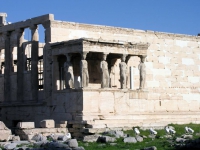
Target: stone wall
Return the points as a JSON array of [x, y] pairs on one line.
[[172, 75], [172, 62]]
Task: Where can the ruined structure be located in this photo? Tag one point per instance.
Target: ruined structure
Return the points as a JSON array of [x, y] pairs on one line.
[[81, 82]]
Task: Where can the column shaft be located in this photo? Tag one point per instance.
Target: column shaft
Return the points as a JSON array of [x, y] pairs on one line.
[[8, 66], [0, 62], [20, 62], [34, 63]]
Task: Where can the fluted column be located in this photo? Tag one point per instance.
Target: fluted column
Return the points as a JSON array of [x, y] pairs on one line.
[[20, 62], [8, 66], [34, 62]]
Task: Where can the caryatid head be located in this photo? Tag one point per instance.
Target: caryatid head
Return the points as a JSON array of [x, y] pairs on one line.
[[104, 56], [84, 55], [143, 58], [123, 58]]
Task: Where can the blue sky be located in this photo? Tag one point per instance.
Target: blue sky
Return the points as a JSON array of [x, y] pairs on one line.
[[174, 16]]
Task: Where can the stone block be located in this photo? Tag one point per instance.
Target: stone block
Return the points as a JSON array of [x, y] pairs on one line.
[[26, 125], [47, 123], [61, 125], [5, 135]]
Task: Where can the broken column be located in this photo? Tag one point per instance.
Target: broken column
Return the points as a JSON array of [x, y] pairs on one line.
[[34, 62], [20, 61]]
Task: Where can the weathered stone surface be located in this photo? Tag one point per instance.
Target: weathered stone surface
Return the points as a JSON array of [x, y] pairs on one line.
[[73, 143], [26, 125], [139, 138], [5, 135], [91, 138], [47, 123], [106, 139], [130, 140], [180, 140], [10, 146], [39, 137]]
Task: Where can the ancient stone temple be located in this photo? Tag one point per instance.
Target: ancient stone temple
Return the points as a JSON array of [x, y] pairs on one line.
[[99, 76]]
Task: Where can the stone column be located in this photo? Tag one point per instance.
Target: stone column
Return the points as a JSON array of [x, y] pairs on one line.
[[20, 62], [8, 66], [56, 81], [142, 71], [0, 62], [34, 62]]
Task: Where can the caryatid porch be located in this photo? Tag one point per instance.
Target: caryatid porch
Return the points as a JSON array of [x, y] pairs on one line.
[[89, 63]]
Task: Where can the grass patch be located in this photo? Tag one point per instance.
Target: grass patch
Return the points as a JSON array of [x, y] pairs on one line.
[[161, 142]]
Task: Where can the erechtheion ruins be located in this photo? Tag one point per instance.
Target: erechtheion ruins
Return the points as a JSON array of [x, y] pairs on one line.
[[100, 75]]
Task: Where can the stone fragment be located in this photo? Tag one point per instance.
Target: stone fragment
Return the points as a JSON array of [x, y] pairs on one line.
[[117, 134], [15, 138], [47, 123], [64, 137], [139, 138], [5, 135], [73, 143], [26, 125], [130, 140], [91, 138], [150, 148], [10, 146], [185, 136], [106, 139], [39, 137], [180, 140]]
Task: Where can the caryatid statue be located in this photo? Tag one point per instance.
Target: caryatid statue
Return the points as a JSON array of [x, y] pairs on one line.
[[123, 72], [69, 75], [84, 71], [142, 71], [105, 78]]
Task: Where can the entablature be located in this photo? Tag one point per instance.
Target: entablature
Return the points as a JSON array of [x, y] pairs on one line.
[[100, 46]]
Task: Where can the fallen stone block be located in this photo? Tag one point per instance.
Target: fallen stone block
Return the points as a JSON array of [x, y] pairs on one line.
[[91, 138], [10, 146], [47, 123], [73, 143], [26, 125], [139, 138], [106, 139], [15, 138], [39, 137], [5, 135], [130, 140]]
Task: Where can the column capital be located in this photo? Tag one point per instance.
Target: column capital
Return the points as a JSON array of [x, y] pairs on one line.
[[143, 56], [33, 27], [34, 32], [46, 24], [6, 34], [19, 30]]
